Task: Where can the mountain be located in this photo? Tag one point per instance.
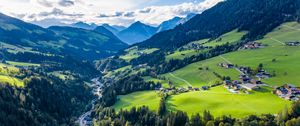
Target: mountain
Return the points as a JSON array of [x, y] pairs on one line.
[[256, 16], [76, 42], [114, 28], [172, 23], [137, 32], [84, 25], [88, 44], [104, 31]]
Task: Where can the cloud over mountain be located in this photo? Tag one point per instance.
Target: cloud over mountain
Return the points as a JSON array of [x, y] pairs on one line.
[[100, 11]]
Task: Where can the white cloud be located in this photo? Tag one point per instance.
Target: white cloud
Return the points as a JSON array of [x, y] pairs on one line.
[[120, 12]]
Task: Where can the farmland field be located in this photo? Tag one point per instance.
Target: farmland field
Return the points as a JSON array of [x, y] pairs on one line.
[[132, 53], [285, 58], [220, 102], [138, 99]]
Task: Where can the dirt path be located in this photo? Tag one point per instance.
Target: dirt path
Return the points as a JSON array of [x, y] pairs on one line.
[[185, 81], [278, 41]]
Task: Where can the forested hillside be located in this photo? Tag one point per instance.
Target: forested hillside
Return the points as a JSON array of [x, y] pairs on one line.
[[256, 16]]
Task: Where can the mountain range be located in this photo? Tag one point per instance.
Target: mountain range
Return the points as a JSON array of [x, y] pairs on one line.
[[138, 31], [77, 42]]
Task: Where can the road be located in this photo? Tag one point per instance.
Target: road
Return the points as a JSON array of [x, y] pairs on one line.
[[231, 63], [96, 90]]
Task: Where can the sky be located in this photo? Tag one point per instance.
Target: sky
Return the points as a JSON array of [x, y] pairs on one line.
[[115, 12]]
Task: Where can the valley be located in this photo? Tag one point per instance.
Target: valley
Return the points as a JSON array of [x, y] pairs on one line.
[[200, 63]]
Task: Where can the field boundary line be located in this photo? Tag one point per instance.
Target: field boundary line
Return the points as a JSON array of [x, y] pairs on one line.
[[226, 60], [188, 83], [278, 41]]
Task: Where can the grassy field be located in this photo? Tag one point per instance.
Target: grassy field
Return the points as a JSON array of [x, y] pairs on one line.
[[132, 53], [6, 75], [138, 99], [230, 37], [164, 83], [286, 66], [11, 80], [182, 54], [22, 64], [200, 73], [220, 102]]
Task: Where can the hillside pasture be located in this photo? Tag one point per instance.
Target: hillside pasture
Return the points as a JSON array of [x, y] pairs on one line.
[[138, 99], [220, 102]]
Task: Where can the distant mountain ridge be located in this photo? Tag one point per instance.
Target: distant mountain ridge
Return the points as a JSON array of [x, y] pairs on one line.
[[84, 25], [77, 42], [136, 32]]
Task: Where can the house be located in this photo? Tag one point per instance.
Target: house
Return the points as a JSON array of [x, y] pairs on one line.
[[244, 78], [196, 89], [226, 65], [293, 43], [205, 87], [190, 87], [252, 45], [245, 70]]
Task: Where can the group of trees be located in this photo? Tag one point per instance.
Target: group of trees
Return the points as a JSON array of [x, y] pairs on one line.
[[144, 117], [43, 101]]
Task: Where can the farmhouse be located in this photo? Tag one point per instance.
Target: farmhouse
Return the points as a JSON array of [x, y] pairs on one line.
[[226, 65], [205, 87], [252, 45], [245, 70], [245, 79], [295, 43]]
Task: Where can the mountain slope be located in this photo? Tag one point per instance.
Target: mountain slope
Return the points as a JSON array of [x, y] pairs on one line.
[[114, 29], [104, 31], [256, 16], [79, 43], [137, 32], [88, 44], [172, 23]]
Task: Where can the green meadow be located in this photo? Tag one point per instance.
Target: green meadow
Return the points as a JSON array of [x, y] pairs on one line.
[[132, 53], [138, 99], [220, 102]]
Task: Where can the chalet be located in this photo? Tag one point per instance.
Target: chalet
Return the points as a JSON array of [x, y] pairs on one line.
[[233, 85], [252, 45], [244, 78], [205, 87], [226, 65], [196, 89], [295, 43], [245, 70]]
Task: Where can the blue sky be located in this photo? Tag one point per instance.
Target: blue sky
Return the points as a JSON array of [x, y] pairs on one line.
[[117, 12]]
